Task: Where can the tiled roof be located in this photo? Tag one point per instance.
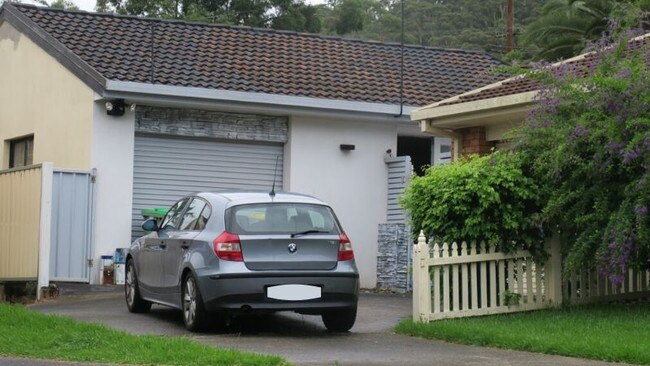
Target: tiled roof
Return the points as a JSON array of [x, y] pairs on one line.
[[508, 87], [258, 60], [579, 65]]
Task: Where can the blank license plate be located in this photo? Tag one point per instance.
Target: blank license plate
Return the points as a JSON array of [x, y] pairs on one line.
[[293, 292]]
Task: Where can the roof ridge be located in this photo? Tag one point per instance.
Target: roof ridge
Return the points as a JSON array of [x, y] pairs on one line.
[[252, 29]]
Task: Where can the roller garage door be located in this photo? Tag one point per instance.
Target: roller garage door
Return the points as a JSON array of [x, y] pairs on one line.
[[166, 168]]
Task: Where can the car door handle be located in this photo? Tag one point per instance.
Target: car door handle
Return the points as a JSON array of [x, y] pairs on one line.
[[162, 246], [185, 245]]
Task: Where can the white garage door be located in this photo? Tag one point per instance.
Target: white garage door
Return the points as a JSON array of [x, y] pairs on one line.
[[167, 168]]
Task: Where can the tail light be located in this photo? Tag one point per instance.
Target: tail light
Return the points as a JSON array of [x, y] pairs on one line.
[[228, 247], [345, 248]]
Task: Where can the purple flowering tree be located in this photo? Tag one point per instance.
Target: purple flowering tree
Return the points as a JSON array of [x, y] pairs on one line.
[[588, 145]]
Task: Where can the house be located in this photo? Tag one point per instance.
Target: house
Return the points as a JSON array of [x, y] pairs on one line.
[[478, 120], [134, 113]]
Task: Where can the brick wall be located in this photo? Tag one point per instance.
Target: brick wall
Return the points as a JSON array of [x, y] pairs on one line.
[[473, 141]]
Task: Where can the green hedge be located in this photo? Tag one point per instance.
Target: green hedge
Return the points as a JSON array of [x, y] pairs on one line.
[[476, 198]]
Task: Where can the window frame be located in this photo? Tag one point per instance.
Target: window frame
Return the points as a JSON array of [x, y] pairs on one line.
[[29, 147], [181, 211], [193, 226], [231, 213]]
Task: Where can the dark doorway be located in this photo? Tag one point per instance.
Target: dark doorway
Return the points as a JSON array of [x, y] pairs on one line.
[[418, 148]]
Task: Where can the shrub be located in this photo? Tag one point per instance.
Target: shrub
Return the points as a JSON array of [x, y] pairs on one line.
[[588, 145], [476, 198]]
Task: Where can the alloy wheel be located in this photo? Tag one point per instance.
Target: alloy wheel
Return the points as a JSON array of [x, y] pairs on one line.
[[130, 286], [189, 301]]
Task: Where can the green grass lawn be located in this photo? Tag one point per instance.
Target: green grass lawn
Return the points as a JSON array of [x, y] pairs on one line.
[[618, 332], [26, 333]]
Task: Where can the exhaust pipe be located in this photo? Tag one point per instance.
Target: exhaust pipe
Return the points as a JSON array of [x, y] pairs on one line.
[[245, 308]]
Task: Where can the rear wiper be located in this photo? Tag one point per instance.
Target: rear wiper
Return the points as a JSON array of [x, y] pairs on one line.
[[301, 233]]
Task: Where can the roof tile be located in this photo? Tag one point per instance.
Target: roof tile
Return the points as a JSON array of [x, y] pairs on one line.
[[259, 60], [580, 65]]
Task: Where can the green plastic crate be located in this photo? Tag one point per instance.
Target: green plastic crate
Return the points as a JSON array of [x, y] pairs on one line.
[[154, 213]]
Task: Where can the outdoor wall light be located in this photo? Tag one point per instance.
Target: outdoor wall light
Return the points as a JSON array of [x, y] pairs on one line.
[[347, 147], [115, 107]]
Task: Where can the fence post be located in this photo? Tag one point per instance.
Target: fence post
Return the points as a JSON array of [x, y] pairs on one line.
[[421, 280], [553, 271], [45, 229], [415, 272]]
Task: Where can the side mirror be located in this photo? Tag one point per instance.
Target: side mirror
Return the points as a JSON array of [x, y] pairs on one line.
[[150, 225]]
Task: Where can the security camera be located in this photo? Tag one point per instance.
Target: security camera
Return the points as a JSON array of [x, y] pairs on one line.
[[115, 107]]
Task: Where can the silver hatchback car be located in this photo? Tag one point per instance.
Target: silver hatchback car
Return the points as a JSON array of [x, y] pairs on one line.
[[218, 254]]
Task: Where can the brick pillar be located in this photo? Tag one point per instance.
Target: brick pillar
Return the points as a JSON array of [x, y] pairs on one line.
[[473, 141]]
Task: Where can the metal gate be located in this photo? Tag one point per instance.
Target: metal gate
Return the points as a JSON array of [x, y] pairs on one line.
[[167, 168], [72, 217]]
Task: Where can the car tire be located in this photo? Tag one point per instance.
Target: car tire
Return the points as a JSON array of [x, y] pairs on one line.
[[194, 314], [134, 302], [340, 320]]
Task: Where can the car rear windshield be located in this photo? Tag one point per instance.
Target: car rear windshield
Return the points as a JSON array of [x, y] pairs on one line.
[[281, 218]]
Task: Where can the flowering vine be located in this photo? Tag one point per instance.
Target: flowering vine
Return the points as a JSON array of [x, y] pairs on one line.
[[587, 143]]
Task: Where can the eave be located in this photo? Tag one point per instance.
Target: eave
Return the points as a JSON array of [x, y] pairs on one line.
[[190, 97], [443, 120]]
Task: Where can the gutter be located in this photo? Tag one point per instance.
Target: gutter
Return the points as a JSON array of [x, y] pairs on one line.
[[192, 97]]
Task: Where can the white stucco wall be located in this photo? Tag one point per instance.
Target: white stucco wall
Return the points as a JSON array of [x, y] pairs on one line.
[[112, 156], [354, 183]]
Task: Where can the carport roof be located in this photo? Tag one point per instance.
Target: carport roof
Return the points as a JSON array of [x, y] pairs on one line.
[[184, 54], [580, 65], [514, 95]]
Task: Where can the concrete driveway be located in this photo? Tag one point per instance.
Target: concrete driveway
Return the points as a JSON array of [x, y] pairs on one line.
[[302, 339]]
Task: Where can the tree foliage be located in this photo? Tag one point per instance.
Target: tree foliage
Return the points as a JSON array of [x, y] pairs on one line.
[[544, 29], [566, 26], [58, 4], [277, 14], [477, 198], [588, 145], [468, 24]]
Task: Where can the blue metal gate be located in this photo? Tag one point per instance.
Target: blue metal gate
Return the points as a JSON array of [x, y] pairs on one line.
[[72, 217]]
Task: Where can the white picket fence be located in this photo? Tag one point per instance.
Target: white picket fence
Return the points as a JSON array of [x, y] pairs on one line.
[[470, 279], [588, 287]]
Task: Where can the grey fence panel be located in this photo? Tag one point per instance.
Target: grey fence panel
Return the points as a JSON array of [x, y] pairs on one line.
[[71, 234], [400, 170]]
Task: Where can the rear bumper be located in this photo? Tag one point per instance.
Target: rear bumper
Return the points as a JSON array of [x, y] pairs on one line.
[[247, 291]]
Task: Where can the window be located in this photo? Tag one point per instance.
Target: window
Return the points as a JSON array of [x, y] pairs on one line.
[[172, 219], [193, 219], [203, 219], [21, 152], [281, 218]]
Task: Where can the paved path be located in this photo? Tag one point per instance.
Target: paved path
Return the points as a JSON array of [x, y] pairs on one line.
[[303, 339]]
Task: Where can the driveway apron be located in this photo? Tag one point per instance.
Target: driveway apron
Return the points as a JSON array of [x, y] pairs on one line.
[[302, 339]]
